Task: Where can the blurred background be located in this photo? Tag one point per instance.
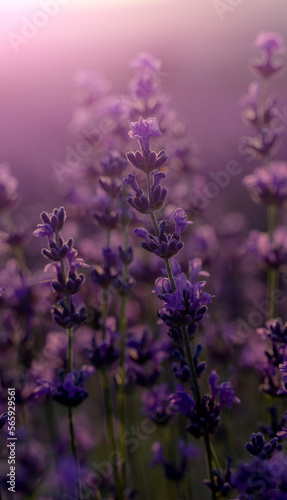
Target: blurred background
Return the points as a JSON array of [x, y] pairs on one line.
[[205, 46]]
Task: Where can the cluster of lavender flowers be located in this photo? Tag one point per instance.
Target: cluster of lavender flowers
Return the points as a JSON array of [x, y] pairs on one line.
[[128, 373]]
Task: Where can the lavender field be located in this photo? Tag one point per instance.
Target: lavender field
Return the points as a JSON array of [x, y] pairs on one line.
[[143, 244]]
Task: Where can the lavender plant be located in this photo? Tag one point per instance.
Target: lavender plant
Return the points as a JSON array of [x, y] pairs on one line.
[[185, 302], [69, 391]]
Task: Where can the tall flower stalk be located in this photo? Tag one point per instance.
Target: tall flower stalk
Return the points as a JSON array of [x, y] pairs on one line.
[[266, 185], [185, 303], [64, 261]]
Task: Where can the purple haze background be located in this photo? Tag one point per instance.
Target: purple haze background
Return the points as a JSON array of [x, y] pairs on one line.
[[205, 60]]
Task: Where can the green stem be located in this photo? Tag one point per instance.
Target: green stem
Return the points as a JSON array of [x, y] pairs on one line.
[[138, 466], [104, 311], [188, 493], [122, 399], [111, 434], [196, 390], [51, 421], [169, 273], [209, 460], [122, 403], [272, 273], [188, 353], [109, 231], [272, 285], [263, 96], [169, 486], [74, 446], [187, 348], [70, 365], [70, 349], [70, 330], [72, 433], [73, 439], [214, 457], [105, 295], [272, 220], [118, 477], [272, 215], [170, 490]]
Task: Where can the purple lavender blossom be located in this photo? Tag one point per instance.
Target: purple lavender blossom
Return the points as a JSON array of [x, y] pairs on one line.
[[144, 348], [67, 316], [146, 357], [205, 415], [275, 331], [180, 221], [181, 401], [156, 404], [104, 275], [270, 41], [70, 392], [144, 130], [275, 356], [256, 479], [259, 448], [106, 218], [145, 84], [270, 44], [263, 145], [111, 186], [250, 99], [113, 165], [52, 223], [224, 391], [140, 202], [184, 306], [181, 369], [62, 254], [255, 112], [268, 186], [164, 245], [104, 352], [147, 161], [222, 481], [271, 250], [282, 434]]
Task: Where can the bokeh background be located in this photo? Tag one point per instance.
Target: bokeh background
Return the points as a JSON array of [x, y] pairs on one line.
[[205, 71], [206, 51]]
